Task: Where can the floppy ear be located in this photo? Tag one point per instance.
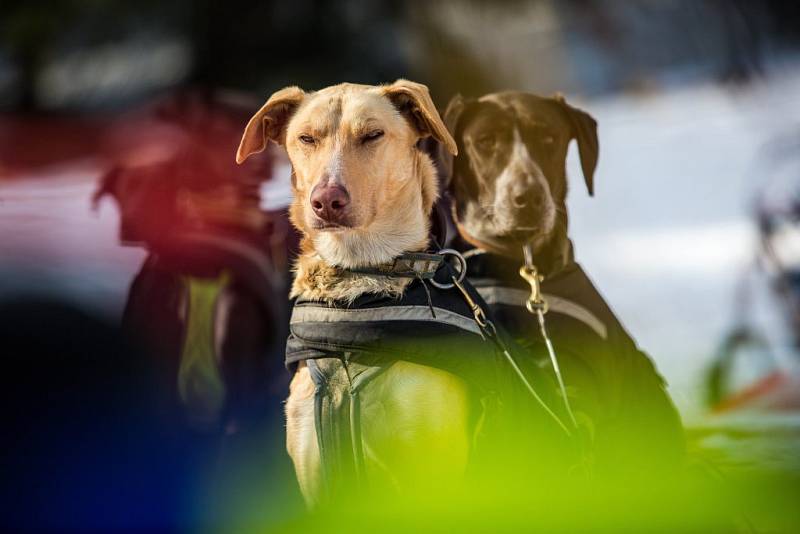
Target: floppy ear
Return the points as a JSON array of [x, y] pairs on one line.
[[269, 122], [108, 185], [414, 101], [584, 130], [451, 116]]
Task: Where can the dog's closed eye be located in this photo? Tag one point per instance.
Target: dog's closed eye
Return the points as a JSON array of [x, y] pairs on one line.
[[371, 136], [307, 139]]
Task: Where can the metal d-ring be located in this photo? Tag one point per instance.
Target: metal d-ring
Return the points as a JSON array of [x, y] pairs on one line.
[[462, 273]]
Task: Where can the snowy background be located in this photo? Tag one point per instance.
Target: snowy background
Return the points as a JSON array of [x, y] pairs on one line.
[[667, 237], [670, 232]]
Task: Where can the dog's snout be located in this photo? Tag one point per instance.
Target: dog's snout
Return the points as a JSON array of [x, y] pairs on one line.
[[528, 197], [329, 202]]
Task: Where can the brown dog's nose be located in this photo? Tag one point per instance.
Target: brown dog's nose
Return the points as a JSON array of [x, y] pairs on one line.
[[528, 199], [329, 202], [520, 200]]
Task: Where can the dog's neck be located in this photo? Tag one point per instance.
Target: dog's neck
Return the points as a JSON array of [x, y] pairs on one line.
[[554, 254], [321, 270], [551, 255], [316, 279]]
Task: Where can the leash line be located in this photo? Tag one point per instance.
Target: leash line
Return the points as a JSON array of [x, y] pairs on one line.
[[537, 305], [551, 351], [489, 331], [423, 266], [535, 395]]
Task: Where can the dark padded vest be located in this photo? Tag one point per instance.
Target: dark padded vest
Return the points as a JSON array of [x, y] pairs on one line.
[[345, 346], [612, 383]]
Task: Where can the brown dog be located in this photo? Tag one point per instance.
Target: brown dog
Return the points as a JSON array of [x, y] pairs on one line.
[[509, 187], [363, 192], [511, 184]]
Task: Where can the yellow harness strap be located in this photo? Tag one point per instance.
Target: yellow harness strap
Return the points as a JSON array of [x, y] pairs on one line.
[[200, 383]]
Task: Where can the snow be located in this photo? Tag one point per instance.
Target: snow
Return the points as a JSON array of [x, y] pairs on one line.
[[670, 230], [52, 241]]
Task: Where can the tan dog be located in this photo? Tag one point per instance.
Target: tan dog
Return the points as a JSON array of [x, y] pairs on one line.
[[363, 192]]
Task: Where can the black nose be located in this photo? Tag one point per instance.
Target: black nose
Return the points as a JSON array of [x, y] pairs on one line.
[[329, 202], [520, 200], [528, 199]]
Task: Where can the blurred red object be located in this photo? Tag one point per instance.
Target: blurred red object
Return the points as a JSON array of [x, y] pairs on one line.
[[776, 392], [31, 142], [171, 166]]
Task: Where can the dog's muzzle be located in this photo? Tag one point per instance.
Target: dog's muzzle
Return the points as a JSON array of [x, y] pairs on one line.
[[330, 203]]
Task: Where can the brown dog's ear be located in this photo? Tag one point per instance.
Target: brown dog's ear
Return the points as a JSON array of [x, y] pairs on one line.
[[453, 111], [107, 186], [584, 130], [451, 116], [414, 101], [269, 122]]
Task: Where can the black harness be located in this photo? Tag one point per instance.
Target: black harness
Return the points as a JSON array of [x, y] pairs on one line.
[[407, 327], [445, 324], [570, 295], [613, 383], [440, 321]]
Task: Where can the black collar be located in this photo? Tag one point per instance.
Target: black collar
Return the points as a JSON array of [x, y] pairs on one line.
[[481, 264]]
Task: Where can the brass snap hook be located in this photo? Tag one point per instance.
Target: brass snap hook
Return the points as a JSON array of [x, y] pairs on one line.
[[535, 303], [477, 311]]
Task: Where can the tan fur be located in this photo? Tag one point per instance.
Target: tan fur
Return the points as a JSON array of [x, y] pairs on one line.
[[301, 436], [415, 430], [317, 280], [417, 412]]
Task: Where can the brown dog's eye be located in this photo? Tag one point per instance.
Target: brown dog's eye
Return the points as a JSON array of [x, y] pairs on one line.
[[486, 142], [372, 136], [307, 139]]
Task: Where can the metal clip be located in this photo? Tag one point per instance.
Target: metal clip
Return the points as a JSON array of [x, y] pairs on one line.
[[538, 306], [536, 302], [462, 272], [477, 311]]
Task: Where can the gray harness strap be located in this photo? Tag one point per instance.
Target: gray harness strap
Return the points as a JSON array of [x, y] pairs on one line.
[[518, 297], [336, 414], [321, 314], [337, 418]]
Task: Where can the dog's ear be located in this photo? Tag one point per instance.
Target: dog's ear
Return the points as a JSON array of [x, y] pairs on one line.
[[584, 130], [453, 111], [108, 185], [269, 122], [414, 102], [451, 116]]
